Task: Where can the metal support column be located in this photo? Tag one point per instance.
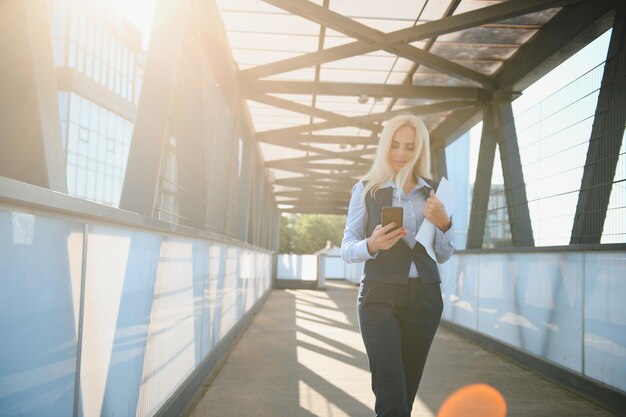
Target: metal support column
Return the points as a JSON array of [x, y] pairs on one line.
[[192, 74], [514, 186], [605, 142], [31, 149], [482, 185], [151, 123], [440, 163]]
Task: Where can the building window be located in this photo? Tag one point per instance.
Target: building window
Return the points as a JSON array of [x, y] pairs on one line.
[[97, 145]]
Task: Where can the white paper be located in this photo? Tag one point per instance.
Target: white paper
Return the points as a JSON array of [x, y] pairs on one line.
[[426, 234]]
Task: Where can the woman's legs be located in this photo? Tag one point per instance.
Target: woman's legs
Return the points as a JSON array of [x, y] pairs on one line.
[[381, 308], [398, 324], [418, 330]]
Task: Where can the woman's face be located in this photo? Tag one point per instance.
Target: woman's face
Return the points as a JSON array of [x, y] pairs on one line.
[[402, 148]]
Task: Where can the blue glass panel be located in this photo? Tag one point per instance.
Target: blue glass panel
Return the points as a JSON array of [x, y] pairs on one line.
[[121, 275], [459, 288], [40, 265], [605, 318]]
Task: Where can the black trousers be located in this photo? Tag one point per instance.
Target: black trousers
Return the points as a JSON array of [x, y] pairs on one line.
[[398, 324]]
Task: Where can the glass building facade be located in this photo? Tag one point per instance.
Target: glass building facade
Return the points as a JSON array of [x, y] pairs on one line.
[[96, 143], [99, 63], [99, 43]]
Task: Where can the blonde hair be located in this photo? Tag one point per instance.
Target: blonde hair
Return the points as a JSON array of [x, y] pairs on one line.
[[418, 165]]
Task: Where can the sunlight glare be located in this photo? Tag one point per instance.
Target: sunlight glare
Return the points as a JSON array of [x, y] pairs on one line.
[[477, 400], [139, 12]]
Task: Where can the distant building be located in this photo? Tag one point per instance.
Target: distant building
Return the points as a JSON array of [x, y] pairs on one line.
[[334, 266], [497, 228], [99, 61], [330, 250]]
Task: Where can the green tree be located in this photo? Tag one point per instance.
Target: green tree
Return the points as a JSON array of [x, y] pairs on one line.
[[308, 233], [287, 233]]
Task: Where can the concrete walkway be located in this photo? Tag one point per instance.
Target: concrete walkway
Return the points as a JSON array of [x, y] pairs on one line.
[[303, 356]]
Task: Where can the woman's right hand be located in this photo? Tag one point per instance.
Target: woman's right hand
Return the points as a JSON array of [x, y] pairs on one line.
[[381, 240]]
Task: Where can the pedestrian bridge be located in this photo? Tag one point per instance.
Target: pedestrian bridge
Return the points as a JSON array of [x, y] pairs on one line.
[[145, 172]]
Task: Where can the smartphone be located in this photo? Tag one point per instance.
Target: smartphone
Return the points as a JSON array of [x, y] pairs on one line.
[[392, 214]]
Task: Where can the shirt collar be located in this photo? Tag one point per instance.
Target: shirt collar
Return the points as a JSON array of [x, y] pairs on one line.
[[420, 183]]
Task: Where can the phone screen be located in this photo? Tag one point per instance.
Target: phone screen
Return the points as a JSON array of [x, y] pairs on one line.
[[392, 214]]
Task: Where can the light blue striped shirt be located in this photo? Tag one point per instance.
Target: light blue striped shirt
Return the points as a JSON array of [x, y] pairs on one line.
[[354, 245]]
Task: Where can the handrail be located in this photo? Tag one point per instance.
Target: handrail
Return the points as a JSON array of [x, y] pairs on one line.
[[20, 194], [43, 201], [606, 247]]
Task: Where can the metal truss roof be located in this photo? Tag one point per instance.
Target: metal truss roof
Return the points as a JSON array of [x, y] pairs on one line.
[[320, 76]]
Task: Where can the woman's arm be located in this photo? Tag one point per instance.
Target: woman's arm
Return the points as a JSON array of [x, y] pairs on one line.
[[356, 247], [354, 243], [435, 212], [444, 244]]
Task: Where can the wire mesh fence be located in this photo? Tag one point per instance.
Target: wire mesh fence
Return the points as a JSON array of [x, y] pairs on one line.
[[554, 138]]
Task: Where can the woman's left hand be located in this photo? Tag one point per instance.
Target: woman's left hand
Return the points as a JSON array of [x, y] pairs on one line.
[[435, 212]]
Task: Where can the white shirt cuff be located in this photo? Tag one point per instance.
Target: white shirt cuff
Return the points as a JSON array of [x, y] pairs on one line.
[[444, 237], [362, 252]]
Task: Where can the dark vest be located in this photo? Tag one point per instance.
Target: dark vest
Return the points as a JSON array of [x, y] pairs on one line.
[[392, 265]]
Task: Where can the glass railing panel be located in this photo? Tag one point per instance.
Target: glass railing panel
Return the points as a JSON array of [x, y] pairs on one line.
[[605, 318], [40, 279]]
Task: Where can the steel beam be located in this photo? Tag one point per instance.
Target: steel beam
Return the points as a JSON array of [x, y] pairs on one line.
[[328, 18], [605, 142], [455, 125], [322, 181], [306, 171], [317, 202], [443, 65], [570, 30], [439, 162], [482, 185], [353, 156], [318, 181], [328, 139], [474, 18], [514, 185], [312, 192], [151, 123], [291, 165], [350, 27], [376, 117], [311, 111], [189, 114], [426, 30], [31, 148], [408, 78], [313, 210], [326, 154], [372, 90]]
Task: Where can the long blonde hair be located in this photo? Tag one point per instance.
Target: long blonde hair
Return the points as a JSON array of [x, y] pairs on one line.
[[418, 165]]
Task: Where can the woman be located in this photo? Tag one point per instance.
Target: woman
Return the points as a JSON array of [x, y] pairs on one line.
[[399, 301]]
